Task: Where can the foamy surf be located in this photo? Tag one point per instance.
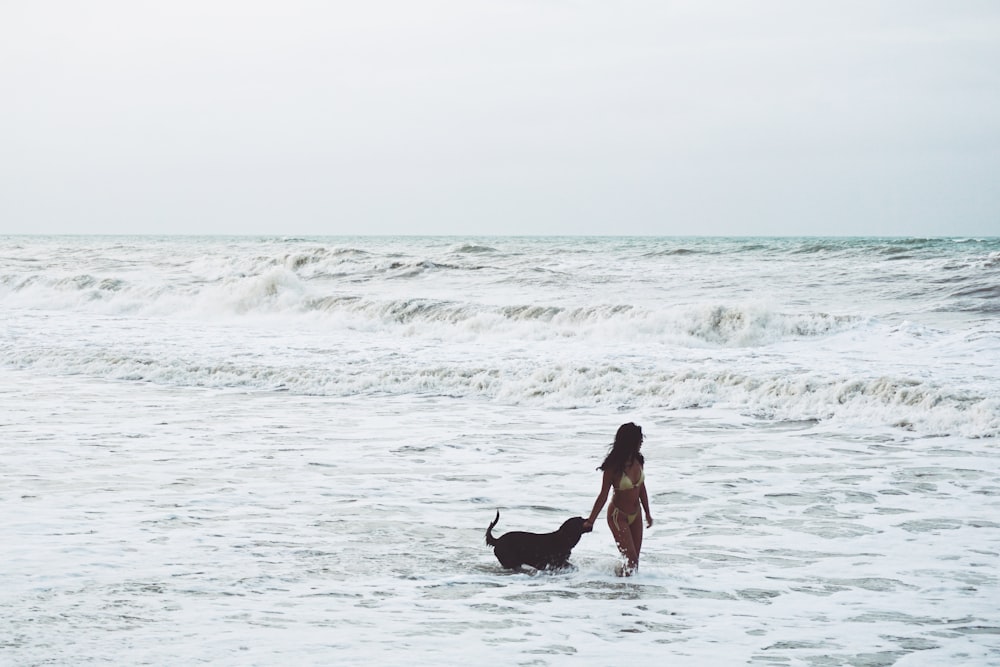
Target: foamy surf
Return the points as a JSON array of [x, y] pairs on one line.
[[261, 451]]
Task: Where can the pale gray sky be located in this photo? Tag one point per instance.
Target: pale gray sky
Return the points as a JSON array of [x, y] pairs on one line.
[[500, 117]]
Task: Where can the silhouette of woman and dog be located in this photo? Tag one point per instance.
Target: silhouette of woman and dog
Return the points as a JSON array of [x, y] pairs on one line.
[[624, 478]]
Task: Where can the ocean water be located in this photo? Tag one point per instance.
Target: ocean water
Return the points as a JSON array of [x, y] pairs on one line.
[[260, 451]]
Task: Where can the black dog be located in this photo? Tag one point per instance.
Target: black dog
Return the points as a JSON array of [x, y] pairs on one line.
[[539, 550]]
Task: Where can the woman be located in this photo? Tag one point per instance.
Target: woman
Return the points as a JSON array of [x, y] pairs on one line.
[[623, 472]]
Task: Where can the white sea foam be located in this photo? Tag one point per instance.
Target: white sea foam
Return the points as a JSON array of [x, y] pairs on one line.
[[149, 523], [369, 357]]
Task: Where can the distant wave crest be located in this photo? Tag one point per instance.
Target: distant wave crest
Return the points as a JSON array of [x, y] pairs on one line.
[[280, 291]]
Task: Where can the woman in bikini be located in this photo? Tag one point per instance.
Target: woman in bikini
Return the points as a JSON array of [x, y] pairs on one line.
[[623, 472]]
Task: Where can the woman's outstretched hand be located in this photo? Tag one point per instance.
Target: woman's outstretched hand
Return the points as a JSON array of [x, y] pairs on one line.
[[588, 525], [649, 521]]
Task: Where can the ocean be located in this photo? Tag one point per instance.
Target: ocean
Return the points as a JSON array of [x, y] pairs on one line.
[[261, 451]]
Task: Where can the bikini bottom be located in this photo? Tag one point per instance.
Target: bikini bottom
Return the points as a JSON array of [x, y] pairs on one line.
[[615, 513]]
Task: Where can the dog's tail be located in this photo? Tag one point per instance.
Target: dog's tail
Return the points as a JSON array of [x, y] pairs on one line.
[[490, 540]]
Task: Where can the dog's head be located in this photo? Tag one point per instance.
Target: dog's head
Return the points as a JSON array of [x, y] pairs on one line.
[[573, 528]]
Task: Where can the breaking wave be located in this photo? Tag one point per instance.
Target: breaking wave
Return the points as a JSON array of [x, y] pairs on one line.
[[906, 403], [281, 292]]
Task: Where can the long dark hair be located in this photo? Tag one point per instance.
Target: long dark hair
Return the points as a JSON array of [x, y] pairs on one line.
[[624, 449]]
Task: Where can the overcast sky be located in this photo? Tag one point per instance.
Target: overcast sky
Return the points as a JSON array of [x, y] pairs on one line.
[[752, 117]]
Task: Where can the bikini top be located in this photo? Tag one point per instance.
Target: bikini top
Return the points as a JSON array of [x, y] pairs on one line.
[[625, 483]]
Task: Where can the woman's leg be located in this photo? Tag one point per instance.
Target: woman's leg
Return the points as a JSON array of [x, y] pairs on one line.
[[636, 530], [621, 531]]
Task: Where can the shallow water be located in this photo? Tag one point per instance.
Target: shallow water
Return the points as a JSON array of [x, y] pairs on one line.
[[227, 527]]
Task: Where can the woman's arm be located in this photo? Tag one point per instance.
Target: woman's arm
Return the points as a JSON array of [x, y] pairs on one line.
[[644, 499], [602, 498]]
